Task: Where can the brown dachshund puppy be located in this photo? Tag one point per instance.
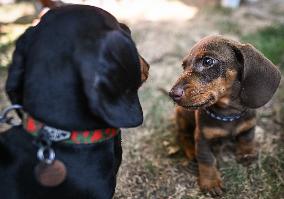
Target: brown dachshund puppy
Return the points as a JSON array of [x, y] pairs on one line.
[[222, 84]]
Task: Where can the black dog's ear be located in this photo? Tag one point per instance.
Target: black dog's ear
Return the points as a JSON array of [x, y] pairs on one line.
[[125, 28], [110, 73], [143, 63], [260, 77], [14, 83]]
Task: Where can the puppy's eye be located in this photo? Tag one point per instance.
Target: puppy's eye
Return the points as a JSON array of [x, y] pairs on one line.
[[207, 61]]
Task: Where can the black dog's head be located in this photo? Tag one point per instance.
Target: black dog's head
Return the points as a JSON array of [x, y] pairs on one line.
[[77, 69], [217, 68]]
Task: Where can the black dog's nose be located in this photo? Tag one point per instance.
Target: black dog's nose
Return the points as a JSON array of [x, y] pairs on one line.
[[176, 93]]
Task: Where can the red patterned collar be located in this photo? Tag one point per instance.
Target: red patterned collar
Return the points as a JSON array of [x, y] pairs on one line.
[[33, 127]]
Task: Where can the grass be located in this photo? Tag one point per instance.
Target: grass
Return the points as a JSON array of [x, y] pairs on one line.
[[273, 167], [267, 177], [270, 41], [261, 180], [157, 110]]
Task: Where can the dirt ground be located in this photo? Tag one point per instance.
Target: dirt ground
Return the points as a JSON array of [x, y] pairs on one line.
[[153, 166]]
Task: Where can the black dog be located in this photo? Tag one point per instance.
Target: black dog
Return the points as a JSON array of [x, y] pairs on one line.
[[76, 72]]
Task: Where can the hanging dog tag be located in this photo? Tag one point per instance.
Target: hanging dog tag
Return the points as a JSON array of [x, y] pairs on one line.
[[50, 175], [49, 172]]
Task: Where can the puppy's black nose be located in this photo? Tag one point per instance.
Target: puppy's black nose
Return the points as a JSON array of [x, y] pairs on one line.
[[176, 94]]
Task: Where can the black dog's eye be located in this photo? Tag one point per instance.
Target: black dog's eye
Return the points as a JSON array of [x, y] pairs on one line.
[[207, 61]]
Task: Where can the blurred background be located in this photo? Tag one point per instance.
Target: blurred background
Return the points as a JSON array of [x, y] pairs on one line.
[[164, 31]]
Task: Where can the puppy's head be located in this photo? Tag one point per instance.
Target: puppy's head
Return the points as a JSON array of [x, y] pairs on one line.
[[218, 69], [77, 69]]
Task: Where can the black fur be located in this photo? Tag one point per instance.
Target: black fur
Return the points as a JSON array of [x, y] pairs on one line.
[[77, 60], [76, 70], [91, 169]]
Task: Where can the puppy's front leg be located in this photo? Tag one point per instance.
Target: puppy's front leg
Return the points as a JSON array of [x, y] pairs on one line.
[[209, 177], [246, 148], [185, 131]]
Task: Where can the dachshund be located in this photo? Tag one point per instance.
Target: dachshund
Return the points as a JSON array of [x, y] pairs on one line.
[[222, 84], [76, 75]]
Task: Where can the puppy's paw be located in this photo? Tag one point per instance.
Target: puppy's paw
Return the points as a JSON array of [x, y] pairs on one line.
[[189, 153], [213, 186], [210, 181], [246, 159]]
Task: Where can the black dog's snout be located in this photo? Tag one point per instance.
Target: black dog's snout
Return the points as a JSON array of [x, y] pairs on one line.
[[176, 94]]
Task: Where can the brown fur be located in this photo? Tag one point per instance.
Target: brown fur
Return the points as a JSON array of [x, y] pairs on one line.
[[211, 133], [144, 69], [246, 125], [50, 3], [227, 77], [210, 179]]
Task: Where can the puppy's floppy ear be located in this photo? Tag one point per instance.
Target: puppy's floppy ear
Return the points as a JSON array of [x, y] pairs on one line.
[[260, 77], [110, 73], [14, 83]]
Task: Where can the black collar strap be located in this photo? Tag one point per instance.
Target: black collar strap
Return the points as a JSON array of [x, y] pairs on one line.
[[224, 118]]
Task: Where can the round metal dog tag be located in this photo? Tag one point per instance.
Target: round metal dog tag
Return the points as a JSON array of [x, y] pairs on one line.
[[50, 175]]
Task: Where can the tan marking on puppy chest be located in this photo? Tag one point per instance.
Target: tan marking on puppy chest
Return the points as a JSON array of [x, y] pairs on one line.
[[246, 125], [224, 101], [210, 132]]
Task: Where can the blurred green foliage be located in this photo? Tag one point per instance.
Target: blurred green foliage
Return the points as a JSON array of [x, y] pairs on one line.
[[270, 41]]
